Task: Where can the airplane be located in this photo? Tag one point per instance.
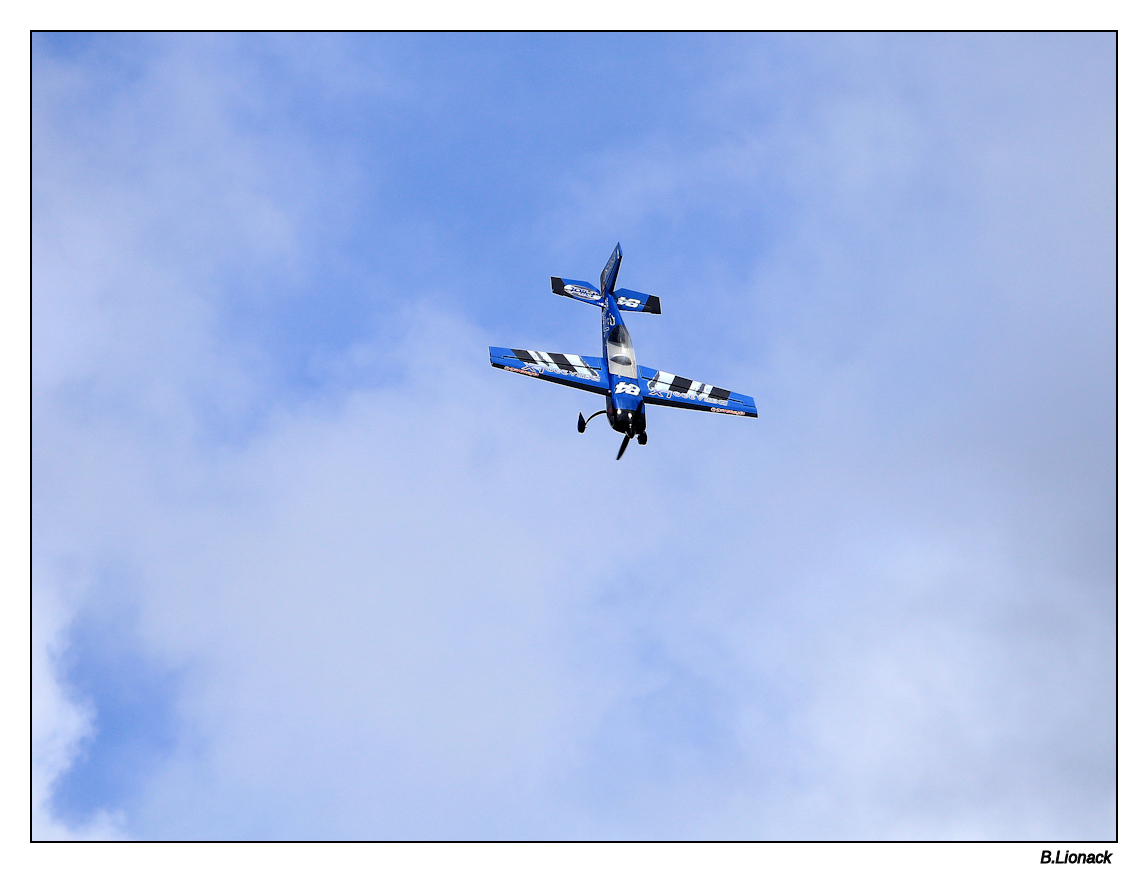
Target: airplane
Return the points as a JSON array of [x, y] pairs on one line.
[[626, 386]]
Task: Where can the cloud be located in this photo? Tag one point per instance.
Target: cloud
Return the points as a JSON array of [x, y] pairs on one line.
[[60, 725]]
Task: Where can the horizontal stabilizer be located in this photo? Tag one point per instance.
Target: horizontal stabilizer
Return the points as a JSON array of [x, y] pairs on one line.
[[632, 301], [577, 371], [577, 290]]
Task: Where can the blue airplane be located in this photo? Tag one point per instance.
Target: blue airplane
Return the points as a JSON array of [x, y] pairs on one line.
[[626, 386]]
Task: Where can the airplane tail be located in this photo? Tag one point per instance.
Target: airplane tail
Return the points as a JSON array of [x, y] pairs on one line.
[[630, 301]]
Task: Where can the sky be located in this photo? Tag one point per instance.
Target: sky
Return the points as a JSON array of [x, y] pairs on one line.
[[306, 567]]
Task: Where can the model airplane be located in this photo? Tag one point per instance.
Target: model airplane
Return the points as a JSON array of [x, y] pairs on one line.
[[626, 386]]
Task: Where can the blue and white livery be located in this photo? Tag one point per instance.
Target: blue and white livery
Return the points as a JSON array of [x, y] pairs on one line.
[[616, 375]]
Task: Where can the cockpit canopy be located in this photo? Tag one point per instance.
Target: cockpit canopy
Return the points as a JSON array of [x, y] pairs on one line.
[[620, 352]]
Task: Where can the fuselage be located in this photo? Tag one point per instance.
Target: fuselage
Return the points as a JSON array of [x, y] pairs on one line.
[[625, 406]]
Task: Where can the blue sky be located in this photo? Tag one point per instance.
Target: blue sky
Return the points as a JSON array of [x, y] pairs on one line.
[[305, 566]]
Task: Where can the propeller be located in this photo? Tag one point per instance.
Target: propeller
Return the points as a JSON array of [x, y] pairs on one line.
[[625, 442]]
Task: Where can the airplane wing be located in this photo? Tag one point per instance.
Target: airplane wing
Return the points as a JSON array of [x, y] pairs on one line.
[[666, 389], [576, 371]]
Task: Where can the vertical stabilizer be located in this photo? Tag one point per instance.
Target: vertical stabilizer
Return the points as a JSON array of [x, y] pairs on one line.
[[610, 271]]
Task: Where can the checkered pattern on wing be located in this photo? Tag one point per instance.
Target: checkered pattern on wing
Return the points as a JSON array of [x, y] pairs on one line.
[[668, 382], [557, 361]]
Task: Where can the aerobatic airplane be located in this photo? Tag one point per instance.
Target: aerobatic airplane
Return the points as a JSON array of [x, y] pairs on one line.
[[626, 386]]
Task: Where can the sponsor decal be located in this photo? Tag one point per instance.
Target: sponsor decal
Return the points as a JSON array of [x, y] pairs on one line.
[[631, 302], [583, 293], [726, 411], [627, 388], [537, 370]]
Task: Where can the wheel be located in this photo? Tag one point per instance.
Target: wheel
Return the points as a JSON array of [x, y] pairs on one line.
[[642, 438], [581, 423]]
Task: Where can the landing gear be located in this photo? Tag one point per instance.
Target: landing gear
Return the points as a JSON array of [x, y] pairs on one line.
[[582, 421], [642, 438]]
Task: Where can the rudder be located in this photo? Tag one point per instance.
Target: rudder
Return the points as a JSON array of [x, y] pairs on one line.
[[610, 271]]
